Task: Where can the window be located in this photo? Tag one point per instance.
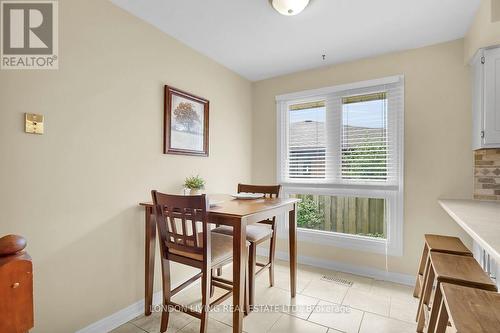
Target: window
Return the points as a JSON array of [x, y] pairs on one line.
[[364, 148], [340, 152], [307, 147], [349, 215]]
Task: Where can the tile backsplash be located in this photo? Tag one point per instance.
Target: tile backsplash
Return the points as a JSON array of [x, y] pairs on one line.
[[487, 174]]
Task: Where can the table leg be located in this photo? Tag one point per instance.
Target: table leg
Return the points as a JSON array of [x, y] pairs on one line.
[[149, 267], [239, 266], [292, 240]]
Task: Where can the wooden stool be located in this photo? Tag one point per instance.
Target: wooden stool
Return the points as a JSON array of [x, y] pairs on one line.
[[469, 310], [449, 268], [438, 243]]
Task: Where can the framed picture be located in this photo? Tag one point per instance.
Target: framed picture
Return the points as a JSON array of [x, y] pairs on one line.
[[185, 123]]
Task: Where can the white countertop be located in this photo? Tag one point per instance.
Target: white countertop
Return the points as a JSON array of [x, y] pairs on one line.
[[480, 219]]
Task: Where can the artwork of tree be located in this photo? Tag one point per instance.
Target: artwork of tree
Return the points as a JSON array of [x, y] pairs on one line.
[[186, 115]]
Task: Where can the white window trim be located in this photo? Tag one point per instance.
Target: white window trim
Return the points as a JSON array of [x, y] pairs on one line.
[[393, 244]]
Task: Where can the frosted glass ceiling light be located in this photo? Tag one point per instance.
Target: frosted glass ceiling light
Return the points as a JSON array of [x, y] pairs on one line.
[[289, 7]]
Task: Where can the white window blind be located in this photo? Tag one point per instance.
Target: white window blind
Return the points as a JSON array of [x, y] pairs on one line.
[[346, 136]]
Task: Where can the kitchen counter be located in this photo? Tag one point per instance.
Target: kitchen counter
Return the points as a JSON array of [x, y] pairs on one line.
[[480, 219]]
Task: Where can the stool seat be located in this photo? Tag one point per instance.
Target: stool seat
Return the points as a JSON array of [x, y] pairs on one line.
[[461, 270], [438, 243], [446, 244], [470, 310]]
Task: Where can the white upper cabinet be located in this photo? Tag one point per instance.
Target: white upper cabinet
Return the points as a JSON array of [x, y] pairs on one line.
[[486, 99]]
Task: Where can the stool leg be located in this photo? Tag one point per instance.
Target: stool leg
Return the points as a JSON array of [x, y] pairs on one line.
[[426, 295], [421, 269], [442, 321], [438, 298], [422, 288]]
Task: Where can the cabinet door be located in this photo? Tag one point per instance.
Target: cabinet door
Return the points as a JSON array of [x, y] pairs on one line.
[[492, 97], [477, 101]]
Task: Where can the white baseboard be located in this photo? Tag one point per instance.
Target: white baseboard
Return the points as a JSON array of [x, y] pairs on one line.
[[346, 268], [120, 317]]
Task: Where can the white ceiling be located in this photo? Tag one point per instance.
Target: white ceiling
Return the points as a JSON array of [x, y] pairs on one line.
[[250, 38]]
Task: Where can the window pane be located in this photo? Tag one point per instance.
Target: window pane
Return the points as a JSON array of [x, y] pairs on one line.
[[364, 137], [349, 215], [307, 144]]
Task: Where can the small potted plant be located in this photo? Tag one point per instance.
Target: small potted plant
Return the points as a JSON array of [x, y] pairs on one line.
[[194, 184]]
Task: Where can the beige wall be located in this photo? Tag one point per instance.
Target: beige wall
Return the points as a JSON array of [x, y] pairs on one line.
[[485, 29], [438, 156], [73, 192]]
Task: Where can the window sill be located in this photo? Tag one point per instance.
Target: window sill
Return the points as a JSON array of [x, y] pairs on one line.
[[345, 241]]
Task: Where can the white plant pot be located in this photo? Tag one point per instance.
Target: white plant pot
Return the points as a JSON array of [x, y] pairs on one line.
[[194, 191]]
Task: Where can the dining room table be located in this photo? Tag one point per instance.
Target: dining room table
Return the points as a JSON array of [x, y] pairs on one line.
[[236, 213]]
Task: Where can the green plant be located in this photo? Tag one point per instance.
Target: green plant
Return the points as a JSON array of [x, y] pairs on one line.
[[308, 215], [374, 234], [194, 182]]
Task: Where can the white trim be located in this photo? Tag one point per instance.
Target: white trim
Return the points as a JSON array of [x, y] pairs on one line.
[[332, 89], [393, 193], [346, 241], [392, 245], [120, 317], [374, 273], [123, 316]]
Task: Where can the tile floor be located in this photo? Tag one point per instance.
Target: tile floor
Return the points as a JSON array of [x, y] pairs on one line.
[[324, 307]]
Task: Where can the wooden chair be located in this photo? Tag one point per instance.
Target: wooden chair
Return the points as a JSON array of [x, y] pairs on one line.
[[469, 310], [257, 234], [185, 238], [447, 268], [438, 243]]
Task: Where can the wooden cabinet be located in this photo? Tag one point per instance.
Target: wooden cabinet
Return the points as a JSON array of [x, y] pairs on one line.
[[16, 286], [486, 99]]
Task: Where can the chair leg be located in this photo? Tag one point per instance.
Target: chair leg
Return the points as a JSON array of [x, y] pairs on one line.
[[252, 257], [205, 298], [272, 254], [165, 267], [212, 288], [247, 293]]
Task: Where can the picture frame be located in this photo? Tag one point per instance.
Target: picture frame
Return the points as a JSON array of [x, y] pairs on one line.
[[186, 123]]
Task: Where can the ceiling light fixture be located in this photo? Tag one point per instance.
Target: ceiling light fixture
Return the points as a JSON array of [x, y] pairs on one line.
[[289, 7]]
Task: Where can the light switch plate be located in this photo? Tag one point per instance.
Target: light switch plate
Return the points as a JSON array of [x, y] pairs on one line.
[[33, 123]]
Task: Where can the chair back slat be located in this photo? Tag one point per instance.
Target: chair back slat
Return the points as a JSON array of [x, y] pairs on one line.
[[182, 222], [269, 191]]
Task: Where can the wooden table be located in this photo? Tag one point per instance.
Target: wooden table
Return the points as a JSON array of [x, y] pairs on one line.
[[237, 214]]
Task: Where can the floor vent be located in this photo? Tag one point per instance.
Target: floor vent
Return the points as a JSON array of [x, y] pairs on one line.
[[337, 279]]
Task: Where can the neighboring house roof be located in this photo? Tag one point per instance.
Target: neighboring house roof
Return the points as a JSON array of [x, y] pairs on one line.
[[306, 134], [309, 134]]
